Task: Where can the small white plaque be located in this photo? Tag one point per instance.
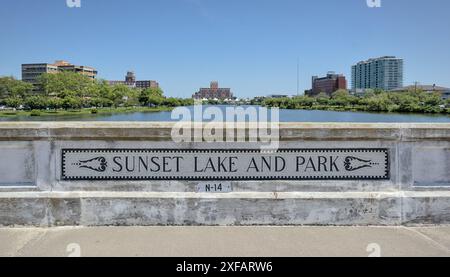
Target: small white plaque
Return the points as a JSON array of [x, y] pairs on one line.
[[215, 187]]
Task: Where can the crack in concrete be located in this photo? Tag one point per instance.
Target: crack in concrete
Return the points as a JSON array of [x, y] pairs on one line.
[[32, 240], [428, 239]]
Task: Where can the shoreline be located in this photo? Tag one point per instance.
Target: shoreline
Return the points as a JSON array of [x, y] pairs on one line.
[[357, 109], [84, 111], [28, 115]]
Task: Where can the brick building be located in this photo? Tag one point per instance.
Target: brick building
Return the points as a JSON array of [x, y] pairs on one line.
[[328, 84], [130, 81], [214, 92]]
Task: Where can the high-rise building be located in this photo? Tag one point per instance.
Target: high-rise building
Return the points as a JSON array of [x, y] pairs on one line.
[[384, 73], [213, 92], [130, 81], [31, 72], [328, 84]]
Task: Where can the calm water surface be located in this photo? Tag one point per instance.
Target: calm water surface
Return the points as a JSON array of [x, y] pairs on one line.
[[285, 116]]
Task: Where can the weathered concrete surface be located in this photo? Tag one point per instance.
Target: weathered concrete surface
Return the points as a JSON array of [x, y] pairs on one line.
[[227, 241], [162, 131], [164, 208], [32, 192]]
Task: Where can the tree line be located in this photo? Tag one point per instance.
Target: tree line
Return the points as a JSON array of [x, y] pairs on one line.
[[69, 90], [373, 101]]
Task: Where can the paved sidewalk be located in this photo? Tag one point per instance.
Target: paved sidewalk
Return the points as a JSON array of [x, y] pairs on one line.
[[226, 241]]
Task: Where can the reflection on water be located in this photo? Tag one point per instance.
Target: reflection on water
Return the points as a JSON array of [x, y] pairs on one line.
[[285, 116]]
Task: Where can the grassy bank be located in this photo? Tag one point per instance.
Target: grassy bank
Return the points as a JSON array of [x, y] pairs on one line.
[[90, 111], [361, 108], [379, 101]]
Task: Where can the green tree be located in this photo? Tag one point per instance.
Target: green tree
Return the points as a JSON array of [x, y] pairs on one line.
[[433, 99], [343, 98], [380, 103], [36, 102], [104, 89], [119, 94], [369, 93], [151, 96], [72, 103], [342, 93], [12, 88], [100, 102], [155, 101], [323, 98], [66, 84], [187, 102], [14, 102], [172, 102], [408, 102], [55, 103]]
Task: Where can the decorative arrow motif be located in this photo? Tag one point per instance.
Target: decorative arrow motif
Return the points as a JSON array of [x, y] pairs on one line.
[[98, 164], [353, 163]]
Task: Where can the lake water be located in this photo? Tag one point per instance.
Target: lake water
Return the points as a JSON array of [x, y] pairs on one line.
[[285, 116]]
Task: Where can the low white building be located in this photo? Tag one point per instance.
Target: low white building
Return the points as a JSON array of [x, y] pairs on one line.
[[426, 88]]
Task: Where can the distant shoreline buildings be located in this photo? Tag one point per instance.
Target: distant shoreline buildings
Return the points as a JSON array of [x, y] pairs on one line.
[[214, 93], [32, 72], [130, 81], [332, 82], [384, 73], [445, 92]]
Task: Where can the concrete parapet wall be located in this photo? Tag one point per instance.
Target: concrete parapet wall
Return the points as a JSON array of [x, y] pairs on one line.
[[32, 191]]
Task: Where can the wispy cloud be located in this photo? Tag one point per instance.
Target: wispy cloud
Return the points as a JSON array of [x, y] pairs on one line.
[[202, 9]]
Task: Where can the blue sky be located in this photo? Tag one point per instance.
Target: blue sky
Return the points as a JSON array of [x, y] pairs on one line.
[[249, 45]]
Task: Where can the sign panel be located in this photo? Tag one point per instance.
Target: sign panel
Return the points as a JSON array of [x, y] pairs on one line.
[[229, 164]]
